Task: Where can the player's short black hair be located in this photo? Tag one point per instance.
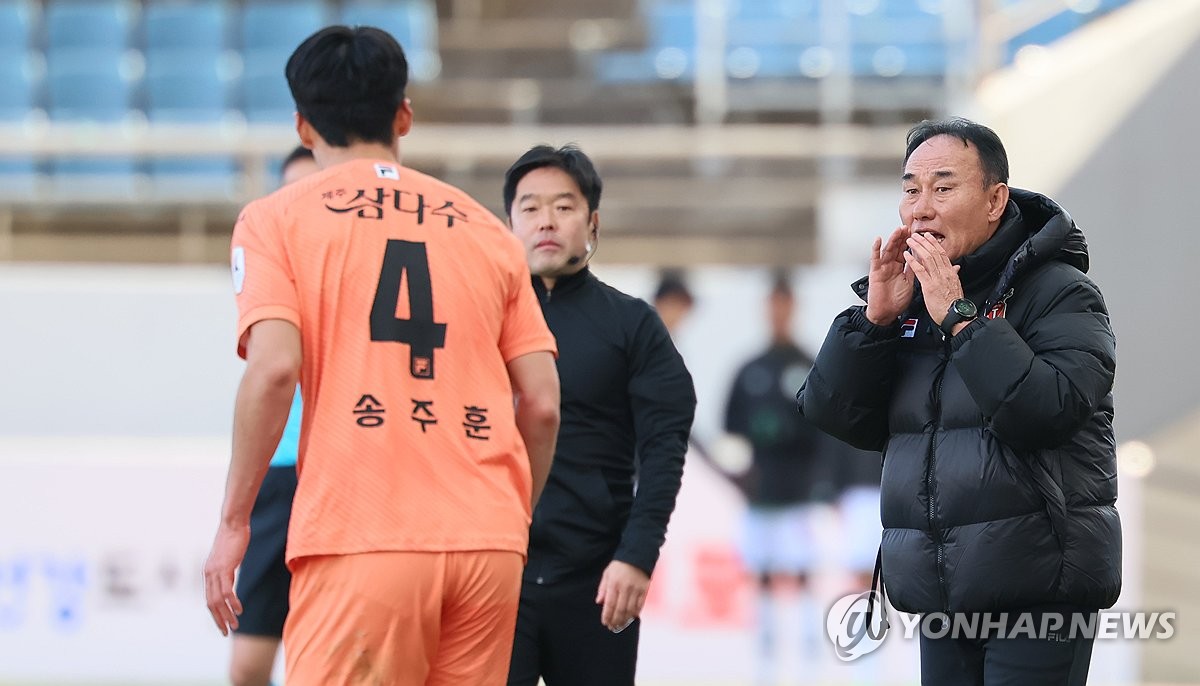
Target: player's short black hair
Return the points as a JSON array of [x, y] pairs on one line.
[[349, 83], [568, 158]]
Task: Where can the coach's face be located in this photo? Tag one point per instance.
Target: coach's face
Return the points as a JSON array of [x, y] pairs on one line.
[[550, 216], [945, 196]]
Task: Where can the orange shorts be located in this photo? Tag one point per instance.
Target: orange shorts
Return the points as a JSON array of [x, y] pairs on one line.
[[402, 618]]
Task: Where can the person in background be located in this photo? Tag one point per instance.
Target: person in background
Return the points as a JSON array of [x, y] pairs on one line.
[[789, 476], [627, 408], [673, 300]]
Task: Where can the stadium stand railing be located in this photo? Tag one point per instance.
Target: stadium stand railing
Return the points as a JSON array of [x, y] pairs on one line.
[[156, 111]]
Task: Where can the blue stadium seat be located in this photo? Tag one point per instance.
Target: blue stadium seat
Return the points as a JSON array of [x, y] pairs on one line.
[[892, 60], [20, 79], [188, 86], [882, 29], [412, 22], [909, 8], [280, 24], [776, 32], [85, 86], [18, 20], [672, 24], [18, 85], [624, 67], [88, 74], [270, 33], [197, 25], [784, 29], [95, 24], [264, 94], [670, 51], [185, 85], [899, 38], [773, 10], [779, 61]]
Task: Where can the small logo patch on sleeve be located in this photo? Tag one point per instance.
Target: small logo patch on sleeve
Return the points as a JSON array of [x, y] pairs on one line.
[[238, 268]]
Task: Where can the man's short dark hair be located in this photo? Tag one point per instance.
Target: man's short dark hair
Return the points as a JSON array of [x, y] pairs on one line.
[[568, 158], [349, 83], [298, 153], [992, 156]]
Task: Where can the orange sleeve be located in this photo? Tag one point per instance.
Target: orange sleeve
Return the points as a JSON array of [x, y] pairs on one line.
[[525, 330], [262, 275]]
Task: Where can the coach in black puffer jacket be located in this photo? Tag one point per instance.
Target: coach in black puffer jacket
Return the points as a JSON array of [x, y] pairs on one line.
[[999, 468]]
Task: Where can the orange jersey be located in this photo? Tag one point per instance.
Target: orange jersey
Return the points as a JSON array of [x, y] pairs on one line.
[[410, 298]]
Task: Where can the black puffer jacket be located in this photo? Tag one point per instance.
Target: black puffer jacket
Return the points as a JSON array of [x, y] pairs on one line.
[[999, 472]]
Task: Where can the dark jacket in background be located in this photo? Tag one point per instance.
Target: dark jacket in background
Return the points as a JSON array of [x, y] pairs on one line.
[[793, 461], [625, 393], [999, 468]]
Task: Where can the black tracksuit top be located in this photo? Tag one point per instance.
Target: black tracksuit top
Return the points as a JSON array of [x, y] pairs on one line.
[[627, 408]]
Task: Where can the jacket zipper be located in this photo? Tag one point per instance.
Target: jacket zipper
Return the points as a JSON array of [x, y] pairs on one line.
[[929, 487]]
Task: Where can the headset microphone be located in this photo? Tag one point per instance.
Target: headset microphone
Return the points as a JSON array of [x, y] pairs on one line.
[[576, 259]]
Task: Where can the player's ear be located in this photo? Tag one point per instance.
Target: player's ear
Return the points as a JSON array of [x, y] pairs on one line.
[[306, 131], [404, 118]]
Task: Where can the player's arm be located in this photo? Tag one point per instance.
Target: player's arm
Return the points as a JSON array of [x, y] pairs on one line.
[[534, 380], [264, 399]]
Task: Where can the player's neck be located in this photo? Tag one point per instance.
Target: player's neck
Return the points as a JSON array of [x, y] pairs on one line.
[[330, 156]]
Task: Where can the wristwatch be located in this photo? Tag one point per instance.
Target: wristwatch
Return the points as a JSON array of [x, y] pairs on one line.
[[961, 310]]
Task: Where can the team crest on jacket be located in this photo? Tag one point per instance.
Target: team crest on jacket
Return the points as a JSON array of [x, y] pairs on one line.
[[997, 311], [909, 328]]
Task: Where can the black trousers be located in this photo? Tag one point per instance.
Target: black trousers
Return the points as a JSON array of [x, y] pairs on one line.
[[560, 639], [1054, 660]]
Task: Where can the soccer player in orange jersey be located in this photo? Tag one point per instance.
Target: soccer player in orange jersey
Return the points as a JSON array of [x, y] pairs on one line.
[[405, 310]]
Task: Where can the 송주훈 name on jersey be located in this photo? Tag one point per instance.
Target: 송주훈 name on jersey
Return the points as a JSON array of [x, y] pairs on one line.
[[368, 413]]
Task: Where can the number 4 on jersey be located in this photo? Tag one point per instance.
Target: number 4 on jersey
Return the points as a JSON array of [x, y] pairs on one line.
[[419, 331]]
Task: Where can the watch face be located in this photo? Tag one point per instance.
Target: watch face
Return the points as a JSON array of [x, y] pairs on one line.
[[965, 307]]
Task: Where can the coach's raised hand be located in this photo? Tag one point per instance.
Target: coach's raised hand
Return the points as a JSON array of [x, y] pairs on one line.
[[889, 283]]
